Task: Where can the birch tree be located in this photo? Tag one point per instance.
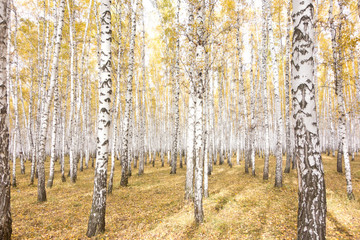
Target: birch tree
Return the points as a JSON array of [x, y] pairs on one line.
[[264, 36], [14, 93], [287, 86], [73, 111], [339, 86], [117, 102], [5, 214], [252, 111], [128, 105], [278, 114], [142, 98], [176, 91], [96, 223], [46, 106], [311, 192], [53, 137], [189, 190], [199, 84]]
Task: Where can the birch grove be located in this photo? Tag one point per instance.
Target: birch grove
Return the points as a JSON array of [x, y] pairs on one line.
[[196, 88]]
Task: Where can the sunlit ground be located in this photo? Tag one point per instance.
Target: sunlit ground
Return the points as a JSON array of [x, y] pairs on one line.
[[152, 207]]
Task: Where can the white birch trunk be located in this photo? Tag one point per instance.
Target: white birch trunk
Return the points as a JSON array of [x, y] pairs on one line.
[[5, 213], [252, 111], [343, 115], [142, 154], [96, 223], [191, 115], [264, 33], [53, 137], [176, 92], [117, 102], [312, 196], [46, 107], [287, 86], [199, 84], [73, 119], [278, 114], [128, 106]]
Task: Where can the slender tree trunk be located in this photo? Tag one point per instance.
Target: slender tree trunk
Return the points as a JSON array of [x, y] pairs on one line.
[[265, 10], [54, 128], [53, 137], [312, 196], [252, 112], [206, 134], [62, 166], [117, 103], [81, 95], [142, 97], [32, 145], [73, 114], [5, 214], [176, 91], [343, 115], [46, 107], [191, 115], [221, 116], [278, 114], [287, 86], [96, 223], [128, 106], [14, 93], [199, 85]]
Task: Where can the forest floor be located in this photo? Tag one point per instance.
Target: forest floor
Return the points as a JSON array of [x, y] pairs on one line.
[[152, 206]]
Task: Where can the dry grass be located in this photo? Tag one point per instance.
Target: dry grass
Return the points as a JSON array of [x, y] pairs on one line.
[[239, 207]]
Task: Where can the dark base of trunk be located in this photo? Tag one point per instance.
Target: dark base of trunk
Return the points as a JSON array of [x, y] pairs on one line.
[[287, 165], [73, 179], [339, 163], [13, 184], [266, 176], [5, 229], [351, 196], [110, 189], [96, 224], [63, 179], [41, 195], [124, 180], [199, 214], [293, 162], [246, 165]]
